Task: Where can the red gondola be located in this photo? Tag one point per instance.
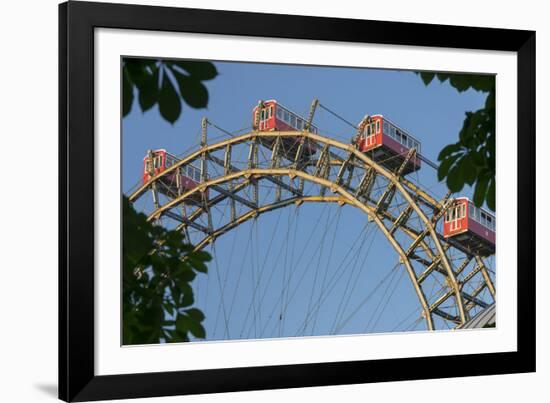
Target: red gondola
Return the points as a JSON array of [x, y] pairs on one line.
[[179, 181], [473, 227], [388, 145], [274, 116]]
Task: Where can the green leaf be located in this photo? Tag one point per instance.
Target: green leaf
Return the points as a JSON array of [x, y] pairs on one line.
[[182, 324], [186, 275], [202, 255], [478, 158], [461, 82], [149, 91], [169, 308], [196, 329], [169, 102], [490, 101], [192, 91], [445, 165], [491, 195], [127, 93], [195, 314], [451, 148], [468, 169], [198, 265], [427, 77], [176, 294], [481, 190], [187, 300], [455, 181]]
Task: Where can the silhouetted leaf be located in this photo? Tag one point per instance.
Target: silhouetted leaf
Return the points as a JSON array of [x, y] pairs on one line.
[[445, 165], [427, 77], [468, 170], [149, 92], [477, 158], [451, 148], [182, 323], [455, 182], [169, 307], [460, 82], [196, 329], [481, 190], [187, 300], [169, 102], [127, 95], [198, 265], [491, 195], [195, 314], [192, 91]]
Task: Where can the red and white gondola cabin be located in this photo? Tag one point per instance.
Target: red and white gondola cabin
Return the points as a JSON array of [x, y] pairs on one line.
[[388, 144], [473, 227], [276, 117], [179, 181]]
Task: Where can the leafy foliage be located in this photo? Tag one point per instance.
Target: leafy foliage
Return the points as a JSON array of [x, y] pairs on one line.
[[156, 287], [166, 83], [471, 160]]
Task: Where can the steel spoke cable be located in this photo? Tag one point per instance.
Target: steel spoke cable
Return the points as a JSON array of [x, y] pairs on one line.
[[227, 271], [221, 292], [342, 307], [323, 210], [291, 267], [270, 246], [388, 299], [317, 267], [406, 318], [333, 279], [253, 275], [332, 284], [241, 269], [322, 250], [251, 305], [328, 260], [273, 271], [367, 298], [317, 251], [259, 274], [336, 276], [337, 116], [380, 303], [285, 260]]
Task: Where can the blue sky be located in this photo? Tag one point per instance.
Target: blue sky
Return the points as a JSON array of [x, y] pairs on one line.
[[433, 114]]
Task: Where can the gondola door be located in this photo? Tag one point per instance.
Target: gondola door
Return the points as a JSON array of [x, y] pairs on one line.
[[456, 215]]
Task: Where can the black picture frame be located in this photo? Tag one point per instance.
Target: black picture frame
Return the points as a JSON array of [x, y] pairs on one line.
[[77, 21]]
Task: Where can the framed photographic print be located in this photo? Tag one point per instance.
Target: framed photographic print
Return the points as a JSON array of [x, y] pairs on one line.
[[255, 201]]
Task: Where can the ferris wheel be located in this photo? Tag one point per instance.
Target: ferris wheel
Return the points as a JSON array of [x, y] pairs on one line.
[[314, 236]]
